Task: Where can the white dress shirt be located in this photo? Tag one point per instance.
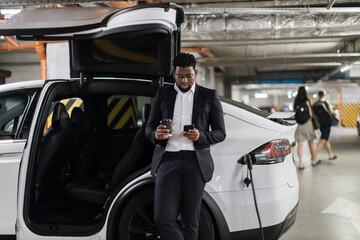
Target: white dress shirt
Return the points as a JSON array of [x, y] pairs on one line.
[[182, 116]]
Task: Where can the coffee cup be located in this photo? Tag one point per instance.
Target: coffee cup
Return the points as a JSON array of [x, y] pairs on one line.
[[168, 124]]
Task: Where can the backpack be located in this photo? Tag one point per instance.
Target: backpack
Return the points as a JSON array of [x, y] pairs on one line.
[[302, 114], [323, 115]]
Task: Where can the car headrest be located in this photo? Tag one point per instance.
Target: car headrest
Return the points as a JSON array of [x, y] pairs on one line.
[[59, 114], [145, 113], [77, 116]]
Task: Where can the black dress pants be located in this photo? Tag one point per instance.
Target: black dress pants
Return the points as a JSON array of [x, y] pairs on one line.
[[179, 187]]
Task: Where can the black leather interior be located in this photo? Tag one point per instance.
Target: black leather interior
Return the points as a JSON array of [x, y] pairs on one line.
[[79, 134], [98, 190], [53, 152]]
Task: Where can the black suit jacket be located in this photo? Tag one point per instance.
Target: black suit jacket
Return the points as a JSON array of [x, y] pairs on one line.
[[207, 111]]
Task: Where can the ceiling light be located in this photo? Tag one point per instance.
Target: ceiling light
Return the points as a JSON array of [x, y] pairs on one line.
[[261, 95], [345, 68], [8, 13]]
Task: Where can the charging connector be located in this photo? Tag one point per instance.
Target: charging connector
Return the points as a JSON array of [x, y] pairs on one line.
[[249, 160]]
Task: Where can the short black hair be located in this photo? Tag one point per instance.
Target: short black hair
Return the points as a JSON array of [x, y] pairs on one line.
[[321, 93], [184, 60]]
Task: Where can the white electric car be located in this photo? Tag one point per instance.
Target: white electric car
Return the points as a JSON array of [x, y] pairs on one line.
[[74, 161]]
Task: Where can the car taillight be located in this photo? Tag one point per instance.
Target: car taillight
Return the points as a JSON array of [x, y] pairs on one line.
[[272, 152]]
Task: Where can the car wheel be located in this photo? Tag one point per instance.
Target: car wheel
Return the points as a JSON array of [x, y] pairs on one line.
[[137, 220]]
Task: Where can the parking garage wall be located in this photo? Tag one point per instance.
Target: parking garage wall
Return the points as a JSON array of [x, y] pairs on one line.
[[22, 65], [281, 97]]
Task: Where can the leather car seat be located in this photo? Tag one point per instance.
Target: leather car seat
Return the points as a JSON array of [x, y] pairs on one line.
[[79, 135], [53, 152], [96, 190]]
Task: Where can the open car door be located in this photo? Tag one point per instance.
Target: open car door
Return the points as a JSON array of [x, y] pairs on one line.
[[137, 42], [133, 42], [16, 111]]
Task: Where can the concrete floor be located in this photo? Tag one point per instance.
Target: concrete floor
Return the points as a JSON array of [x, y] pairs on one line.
[[329, 204]]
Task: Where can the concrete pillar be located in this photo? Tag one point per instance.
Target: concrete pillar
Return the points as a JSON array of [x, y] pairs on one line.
[[227, 85], [58, 60]]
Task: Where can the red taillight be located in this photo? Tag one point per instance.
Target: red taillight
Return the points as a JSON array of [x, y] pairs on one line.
[[272, 152]]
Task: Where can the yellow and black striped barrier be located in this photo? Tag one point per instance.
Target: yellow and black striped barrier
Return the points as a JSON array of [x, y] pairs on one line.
[[122, 113], [350, 112]]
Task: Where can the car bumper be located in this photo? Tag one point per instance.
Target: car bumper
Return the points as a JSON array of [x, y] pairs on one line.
[[270, 232], [277, 208]]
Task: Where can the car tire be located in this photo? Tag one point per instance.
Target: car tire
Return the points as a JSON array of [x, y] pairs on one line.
[[137, 220]]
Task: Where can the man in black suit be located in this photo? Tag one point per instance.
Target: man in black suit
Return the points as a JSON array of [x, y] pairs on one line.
[[182, 162]]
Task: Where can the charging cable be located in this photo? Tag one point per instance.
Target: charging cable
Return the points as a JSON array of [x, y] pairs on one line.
[[248, 160]]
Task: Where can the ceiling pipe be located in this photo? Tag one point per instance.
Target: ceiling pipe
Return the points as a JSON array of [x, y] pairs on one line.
[[41, 50], [229, 24], [38, 46], [122, 4], [205, 52], [14, 45], [331, 3], [261, 4], [220, 3]]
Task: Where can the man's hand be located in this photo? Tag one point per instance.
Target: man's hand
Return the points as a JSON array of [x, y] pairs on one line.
[[162, 133], [192, 134]]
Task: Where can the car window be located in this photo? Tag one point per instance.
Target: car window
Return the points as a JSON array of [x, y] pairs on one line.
[[125, 112], [12, 109], [125, 50], [70, 104]]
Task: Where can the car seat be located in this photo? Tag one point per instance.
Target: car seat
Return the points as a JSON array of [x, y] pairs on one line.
[[53, 152], [79, 133], [97, 190]]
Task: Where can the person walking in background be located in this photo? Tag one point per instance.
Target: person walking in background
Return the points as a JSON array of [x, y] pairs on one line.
[[305, 130], [323, 110]]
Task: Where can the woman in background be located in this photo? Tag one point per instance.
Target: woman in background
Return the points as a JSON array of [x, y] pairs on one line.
[[305, 130]]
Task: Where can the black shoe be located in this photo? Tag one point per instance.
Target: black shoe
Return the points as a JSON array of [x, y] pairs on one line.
[[315, 163], [333, 158]]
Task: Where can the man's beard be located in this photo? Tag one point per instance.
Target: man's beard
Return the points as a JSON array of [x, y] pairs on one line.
[[183, 90]]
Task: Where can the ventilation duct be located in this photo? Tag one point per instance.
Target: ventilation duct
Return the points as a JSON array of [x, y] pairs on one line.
[[234, 24]]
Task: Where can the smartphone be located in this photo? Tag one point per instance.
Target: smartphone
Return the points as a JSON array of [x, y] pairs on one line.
[[188, 127]]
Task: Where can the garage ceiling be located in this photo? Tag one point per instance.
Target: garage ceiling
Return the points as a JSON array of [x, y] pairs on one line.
[[276, 41], [266, 41]]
